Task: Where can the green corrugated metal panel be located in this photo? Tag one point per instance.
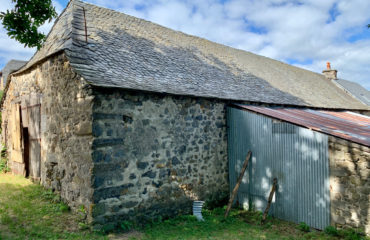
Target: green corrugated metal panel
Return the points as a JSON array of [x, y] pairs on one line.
[[296, 156]]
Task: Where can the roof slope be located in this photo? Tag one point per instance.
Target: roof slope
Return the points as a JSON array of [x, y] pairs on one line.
[[343, 124], [127, 52], [356, 90], [11, 66], [58, 39]]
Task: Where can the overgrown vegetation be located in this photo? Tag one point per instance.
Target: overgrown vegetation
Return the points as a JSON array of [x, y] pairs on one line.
[[1, 97], [303, 227], [349, 234], [3, 160], [27, 211]]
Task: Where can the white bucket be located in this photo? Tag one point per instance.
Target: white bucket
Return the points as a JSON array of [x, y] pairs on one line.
[[197, 210]]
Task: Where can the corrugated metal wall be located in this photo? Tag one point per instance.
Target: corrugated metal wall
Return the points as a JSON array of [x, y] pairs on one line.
[[296, 156]]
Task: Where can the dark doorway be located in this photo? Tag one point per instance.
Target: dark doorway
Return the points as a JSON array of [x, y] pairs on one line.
[[26, 151]]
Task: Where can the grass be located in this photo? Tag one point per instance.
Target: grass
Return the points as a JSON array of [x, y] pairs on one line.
[[240, 225], [27, 211]]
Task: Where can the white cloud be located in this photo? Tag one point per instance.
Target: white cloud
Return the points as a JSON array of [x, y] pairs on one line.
[[11, 49], [303, 31]]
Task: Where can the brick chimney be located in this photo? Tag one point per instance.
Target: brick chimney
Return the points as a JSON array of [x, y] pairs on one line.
[[329, 73]]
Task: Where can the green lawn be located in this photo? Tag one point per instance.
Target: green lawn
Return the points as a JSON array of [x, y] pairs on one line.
[[240, 225], [27, 211]]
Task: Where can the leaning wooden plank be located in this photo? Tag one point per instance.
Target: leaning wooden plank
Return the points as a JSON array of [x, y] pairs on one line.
[[235, 191], [269, 200]]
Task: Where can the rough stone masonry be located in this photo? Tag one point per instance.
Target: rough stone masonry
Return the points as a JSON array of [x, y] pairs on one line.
[[153, 154], [124, 154], [349, 184], [66, 132]]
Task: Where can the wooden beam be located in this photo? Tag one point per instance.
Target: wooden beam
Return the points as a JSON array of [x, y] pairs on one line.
[[239, 181], [273, 189]]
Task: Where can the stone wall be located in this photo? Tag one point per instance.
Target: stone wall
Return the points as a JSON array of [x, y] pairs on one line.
[[66, 127], [349, 184], [153, 154]]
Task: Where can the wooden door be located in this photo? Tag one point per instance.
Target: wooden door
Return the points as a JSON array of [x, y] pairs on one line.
[[16, 134], [34, 136]]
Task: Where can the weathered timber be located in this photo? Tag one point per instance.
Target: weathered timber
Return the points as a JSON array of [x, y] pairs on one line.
[[273, 189], [235, 190]]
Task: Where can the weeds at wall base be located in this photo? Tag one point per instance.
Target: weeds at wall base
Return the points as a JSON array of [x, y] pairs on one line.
[[4, 168], [347, 233]]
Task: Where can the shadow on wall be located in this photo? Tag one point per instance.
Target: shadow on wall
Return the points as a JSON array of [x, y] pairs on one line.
[[155, 153], [137, 63]]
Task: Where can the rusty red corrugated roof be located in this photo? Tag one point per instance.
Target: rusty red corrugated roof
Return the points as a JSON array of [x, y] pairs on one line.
[[343, 124]]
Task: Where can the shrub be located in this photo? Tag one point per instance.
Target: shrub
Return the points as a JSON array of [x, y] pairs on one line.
[[350, 234], [63, 207], [127, 226], [330, 230], [3, 161], [303, 227]]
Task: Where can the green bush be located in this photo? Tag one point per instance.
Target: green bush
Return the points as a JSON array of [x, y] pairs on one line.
[[3, 165], [303, 227], [3, 161], [351, 234], [127, 226], [1, 96], [108, 228], [63, 207], [330, 230]]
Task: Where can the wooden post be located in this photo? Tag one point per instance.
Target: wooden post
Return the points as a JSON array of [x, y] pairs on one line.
[[235, 191], [269, 200]]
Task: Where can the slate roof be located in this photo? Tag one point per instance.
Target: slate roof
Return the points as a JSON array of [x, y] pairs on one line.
[[356, 90], [126, 52], [11, 66]]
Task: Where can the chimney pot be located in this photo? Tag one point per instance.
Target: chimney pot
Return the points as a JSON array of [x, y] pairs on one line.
[[328, 66], [330, 74]]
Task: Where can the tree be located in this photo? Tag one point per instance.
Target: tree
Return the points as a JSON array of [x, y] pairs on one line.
[[23, 21]]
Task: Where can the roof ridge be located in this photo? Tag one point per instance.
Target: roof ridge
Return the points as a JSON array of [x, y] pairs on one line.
[[34, 59], [113, 49], [195, 37], [55, 42]]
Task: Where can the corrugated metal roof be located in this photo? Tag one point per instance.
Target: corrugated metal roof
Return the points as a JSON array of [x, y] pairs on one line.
[[343, 124]]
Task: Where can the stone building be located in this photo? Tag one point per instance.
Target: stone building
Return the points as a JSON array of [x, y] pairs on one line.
[[128, 119], [11, 66]]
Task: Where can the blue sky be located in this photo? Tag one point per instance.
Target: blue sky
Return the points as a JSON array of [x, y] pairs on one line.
[[304, 33]]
